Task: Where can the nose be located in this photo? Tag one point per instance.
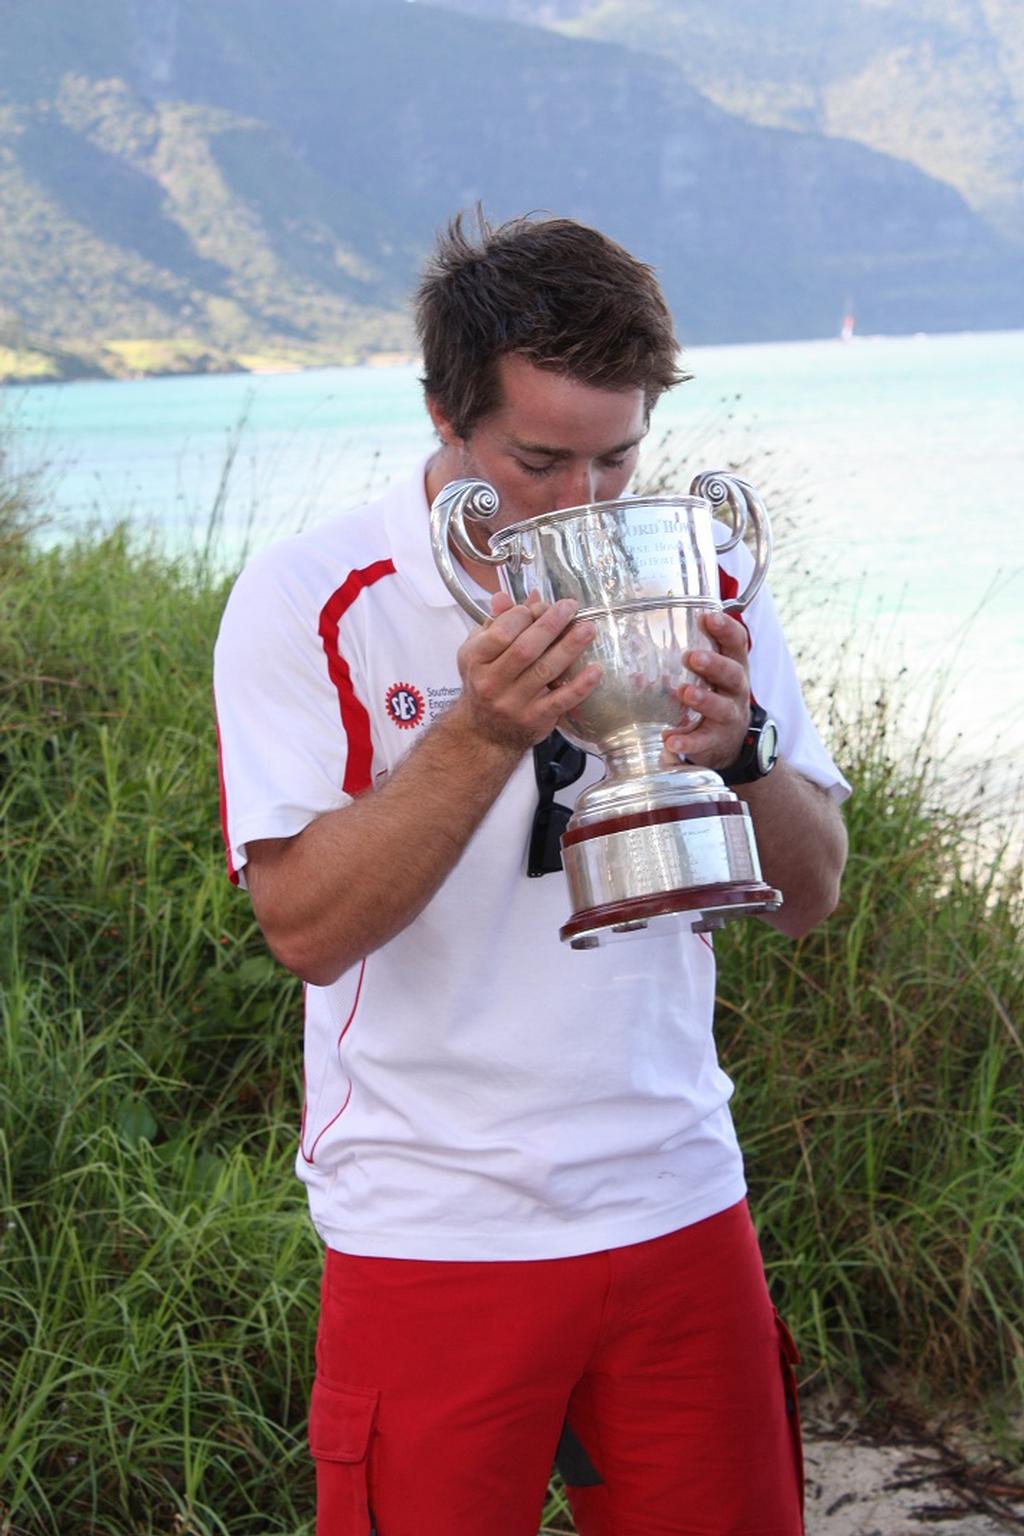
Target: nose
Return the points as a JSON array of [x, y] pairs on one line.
[[577, 486]]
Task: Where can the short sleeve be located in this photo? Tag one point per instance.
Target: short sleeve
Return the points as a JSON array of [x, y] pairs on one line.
[[283, 748], [776, 687]]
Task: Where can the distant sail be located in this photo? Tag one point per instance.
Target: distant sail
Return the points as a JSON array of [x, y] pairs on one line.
[[846, 328]]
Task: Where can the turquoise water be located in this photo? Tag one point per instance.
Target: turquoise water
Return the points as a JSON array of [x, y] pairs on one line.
[[895, 465]]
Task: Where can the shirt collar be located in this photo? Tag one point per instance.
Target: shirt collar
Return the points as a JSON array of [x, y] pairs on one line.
[[407, 519]]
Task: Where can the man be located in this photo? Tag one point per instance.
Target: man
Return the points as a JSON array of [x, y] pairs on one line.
[[520, 1157]]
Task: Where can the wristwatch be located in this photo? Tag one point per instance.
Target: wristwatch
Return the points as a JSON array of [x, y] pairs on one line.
[[759, 751]]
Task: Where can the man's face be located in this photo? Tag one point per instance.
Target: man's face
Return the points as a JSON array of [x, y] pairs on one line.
[[552, 442]]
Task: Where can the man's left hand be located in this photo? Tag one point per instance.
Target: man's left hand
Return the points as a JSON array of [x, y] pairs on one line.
[[722, 697]]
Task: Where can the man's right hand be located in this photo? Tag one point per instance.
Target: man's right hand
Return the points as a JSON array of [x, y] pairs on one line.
[[513, 669]]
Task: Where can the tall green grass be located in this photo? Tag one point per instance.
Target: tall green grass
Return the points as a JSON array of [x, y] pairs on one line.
[[158, 1277], [158, 1280], [880, 1069]]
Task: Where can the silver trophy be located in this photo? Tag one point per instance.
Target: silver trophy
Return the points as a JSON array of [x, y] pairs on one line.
[[649, 841]]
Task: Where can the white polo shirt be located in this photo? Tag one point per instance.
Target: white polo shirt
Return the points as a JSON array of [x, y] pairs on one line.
[[475, 1089]]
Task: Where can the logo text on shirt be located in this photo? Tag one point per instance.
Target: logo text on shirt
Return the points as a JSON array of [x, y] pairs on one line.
[[440, 699]]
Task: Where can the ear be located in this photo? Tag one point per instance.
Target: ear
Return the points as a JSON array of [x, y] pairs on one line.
[[442, 424]]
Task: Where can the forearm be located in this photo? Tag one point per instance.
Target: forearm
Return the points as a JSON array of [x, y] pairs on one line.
[[801, 840], [357, 876]]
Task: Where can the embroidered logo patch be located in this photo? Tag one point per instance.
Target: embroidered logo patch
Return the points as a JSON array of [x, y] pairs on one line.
[[404, 704]]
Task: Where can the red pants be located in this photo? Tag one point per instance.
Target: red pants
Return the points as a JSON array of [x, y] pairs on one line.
[[660, 1372]]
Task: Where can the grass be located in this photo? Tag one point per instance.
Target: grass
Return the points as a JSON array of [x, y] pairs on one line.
[[22, 366], [139, 356], [880, 1065], [158, 1276], [142, 356], [151, 1071], [22, 362], [33, 362]]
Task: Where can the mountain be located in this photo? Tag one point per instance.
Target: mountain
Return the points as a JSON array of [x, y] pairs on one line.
[[935, 83], [194, 185]]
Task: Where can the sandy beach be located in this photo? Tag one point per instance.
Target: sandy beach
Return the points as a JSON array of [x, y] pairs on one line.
[[861, 1482]]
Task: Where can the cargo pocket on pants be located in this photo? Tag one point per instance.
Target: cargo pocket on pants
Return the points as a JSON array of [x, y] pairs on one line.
[[341, 1421], [789, 1358]]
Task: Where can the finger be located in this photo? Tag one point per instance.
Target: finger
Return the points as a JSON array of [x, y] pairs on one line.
[[553, 684], [561, 701], [493, 640], [718, 708], [715, 739], [708, 744], [551, 666], [527, 637], [502, 602], [716, 670], [728, 633]]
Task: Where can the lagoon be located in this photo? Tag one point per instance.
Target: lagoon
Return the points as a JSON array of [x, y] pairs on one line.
[[894, 467]]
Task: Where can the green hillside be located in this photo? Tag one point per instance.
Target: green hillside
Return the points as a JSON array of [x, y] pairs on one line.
[[938, 85], [128, 217], [254, 184]]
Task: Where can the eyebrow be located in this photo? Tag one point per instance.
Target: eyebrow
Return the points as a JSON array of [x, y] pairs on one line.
[[566, 453]]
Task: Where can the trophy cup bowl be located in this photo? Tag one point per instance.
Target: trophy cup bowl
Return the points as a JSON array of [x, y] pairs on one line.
[[649, 842]]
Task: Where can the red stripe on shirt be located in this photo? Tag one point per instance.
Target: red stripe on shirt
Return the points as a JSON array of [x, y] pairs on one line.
[[354, 716], [728, 588], [310, 1156]]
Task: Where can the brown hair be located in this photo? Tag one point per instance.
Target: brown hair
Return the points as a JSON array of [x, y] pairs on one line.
[[551, 290]]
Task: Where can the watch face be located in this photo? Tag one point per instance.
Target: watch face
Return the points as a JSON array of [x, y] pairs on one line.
[[767, 746]]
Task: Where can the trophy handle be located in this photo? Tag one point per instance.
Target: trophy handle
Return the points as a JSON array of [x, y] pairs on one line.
[[721, 490], [455, 502]]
